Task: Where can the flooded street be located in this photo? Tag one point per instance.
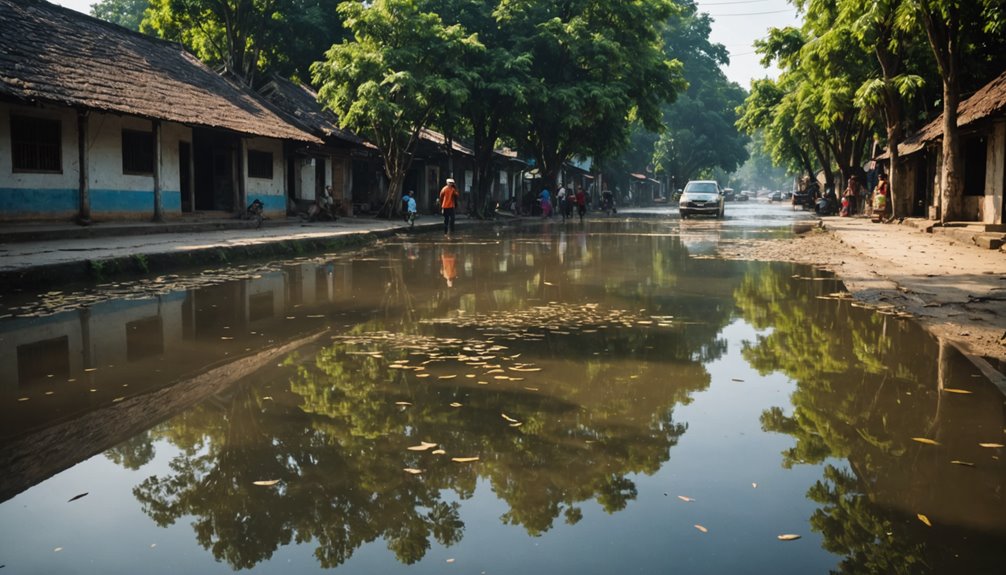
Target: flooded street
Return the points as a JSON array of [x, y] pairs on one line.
[[536, 398]]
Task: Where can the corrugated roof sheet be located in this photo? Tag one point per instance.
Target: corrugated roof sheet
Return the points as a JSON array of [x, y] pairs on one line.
[[54, 54]]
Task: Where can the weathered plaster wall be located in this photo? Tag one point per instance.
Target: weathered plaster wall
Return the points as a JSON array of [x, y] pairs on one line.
[[992, 208], [39, 195], [269, 191]]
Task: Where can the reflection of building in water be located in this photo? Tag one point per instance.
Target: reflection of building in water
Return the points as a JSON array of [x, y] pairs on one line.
[[149, 333], [76, 383]]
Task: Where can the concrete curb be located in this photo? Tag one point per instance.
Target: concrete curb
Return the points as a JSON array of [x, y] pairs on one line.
[[105, 269]]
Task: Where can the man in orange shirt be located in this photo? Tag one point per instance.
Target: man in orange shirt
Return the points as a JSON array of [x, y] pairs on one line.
[[448, 203]]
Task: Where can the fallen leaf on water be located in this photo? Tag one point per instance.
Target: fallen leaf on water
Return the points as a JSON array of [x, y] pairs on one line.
[[422, 375], [464, 459], [423, 446], [23, 398], [735, 379], [90, 369], [965, 463], [413, 470], [406, 403], [266, 482], [455, 404], [925, 440], [448, 376], [925, 520], [76, 497], [438, 452], [57, 550], [992, 445], [517, 424], [451, 560], [701, 528], [226, 337], [955, 390], [508, 418], [525, 369], [754, 485], [788, 537], [685, 498]]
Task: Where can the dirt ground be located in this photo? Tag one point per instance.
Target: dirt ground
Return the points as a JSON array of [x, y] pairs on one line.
[[955, 289]]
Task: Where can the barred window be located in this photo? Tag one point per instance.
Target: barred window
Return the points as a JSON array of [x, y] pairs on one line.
[[36, 144], [137, 152], [259, 164]]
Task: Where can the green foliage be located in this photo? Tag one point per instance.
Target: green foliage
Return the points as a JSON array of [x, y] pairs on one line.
[[596, 66], [402, 67], [249, 36], [125, 13]]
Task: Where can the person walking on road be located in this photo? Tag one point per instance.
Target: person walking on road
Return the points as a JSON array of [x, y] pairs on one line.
[[448, 204], [410, 208], [581, 202]]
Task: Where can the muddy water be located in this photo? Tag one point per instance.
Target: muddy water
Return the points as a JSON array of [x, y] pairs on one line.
[[605, 399]]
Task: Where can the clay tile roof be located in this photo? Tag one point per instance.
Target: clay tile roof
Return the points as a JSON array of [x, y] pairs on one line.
[[301, 104], [57, 55]]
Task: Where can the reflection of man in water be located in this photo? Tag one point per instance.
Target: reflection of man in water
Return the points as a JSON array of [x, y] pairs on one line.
[[448, 267]]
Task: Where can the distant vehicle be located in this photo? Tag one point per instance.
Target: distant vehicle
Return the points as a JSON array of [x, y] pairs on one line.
[[775, 196], [729, 195], [701, 197]]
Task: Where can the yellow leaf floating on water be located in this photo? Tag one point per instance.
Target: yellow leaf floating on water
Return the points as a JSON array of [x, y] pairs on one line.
[[455, 404], [412, 470], [525, 369], [438, 452], [685, 498], [404, 403], [422, 375], [925, 440], [955, 390], [701, 528], [990, 445], [464, 459], [423, 446], [508, 418], [788, 537], [754, 486], [925, 520], [517, 424], [448, 376], [266, 482], [964, 463]]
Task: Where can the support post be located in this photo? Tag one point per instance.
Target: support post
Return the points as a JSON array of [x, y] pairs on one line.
[[158, 200], [83, 162]]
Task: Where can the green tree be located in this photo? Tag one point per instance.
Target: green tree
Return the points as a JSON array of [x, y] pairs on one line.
[[596, 65], [952, 27], [494, 85], [249, 36], [402, 67], [125, 13], [700, 132]]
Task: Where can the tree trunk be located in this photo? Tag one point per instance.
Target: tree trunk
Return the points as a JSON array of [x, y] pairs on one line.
[[952, 184]]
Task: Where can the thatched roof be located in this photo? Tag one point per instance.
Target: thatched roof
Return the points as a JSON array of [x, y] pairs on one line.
[[300, 104], [988, 101], [56, 55]]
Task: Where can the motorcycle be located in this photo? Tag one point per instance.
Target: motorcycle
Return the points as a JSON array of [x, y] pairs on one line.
[[827, 205]]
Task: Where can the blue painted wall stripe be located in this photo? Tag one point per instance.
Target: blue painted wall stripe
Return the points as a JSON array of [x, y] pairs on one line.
[[20, 201]]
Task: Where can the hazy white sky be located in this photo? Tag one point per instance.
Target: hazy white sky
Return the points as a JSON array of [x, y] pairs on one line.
[[737, 24]]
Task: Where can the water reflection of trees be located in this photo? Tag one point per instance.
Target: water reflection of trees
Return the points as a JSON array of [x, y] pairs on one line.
[[336, 432], [867, 383]]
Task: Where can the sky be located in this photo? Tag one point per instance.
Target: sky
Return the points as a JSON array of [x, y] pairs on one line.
[[736, 25]]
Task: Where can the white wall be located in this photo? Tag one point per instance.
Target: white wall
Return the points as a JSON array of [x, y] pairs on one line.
[[262, 186]]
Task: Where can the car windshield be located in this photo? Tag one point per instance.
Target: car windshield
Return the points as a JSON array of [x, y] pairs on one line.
[[701, 188]]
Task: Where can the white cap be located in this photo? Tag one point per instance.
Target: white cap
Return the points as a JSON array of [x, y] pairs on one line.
[[450, 180]]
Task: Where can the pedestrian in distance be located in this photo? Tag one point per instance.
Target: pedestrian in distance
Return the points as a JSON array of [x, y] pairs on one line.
[[560, 201], [581, 202], [546, 203], [448, 204], [410, 208], [882, 200]]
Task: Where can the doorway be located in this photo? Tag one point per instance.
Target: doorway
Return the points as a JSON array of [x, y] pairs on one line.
[[185, 175]]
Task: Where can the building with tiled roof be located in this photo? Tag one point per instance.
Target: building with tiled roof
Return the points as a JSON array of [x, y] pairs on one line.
[[100, 121]]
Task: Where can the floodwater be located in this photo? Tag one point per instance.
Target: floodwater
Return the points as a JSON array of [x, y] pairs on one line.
[[549, 398]]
